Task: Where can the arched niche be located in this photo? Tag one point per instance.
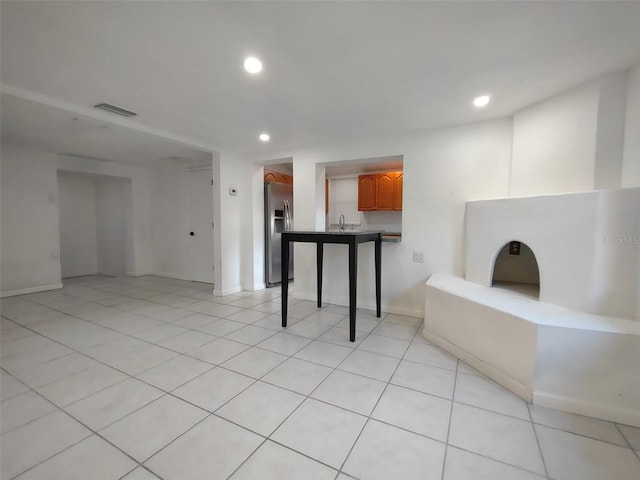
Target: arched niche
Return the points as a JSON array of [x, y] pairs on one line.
[[516, 268]]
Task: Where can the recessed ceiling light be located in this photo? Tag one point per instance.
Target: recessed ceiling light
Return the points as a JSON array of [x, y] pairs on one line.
[[482, 101], [264, 137], [252, 65]]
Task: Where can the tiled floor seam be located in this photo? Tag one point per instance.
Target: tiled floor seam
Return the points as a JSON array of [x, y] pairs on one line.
[[288, 357], [91, 430], [453, 396], [387, 383], [635, 452], [129, 376], [627, 444], [535, 433], [54, 455], [300, 404]]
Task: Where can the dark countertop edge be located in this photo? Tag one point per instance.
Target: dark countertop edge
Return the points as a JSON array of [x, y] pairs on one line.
[[392, 238], [324, 232]]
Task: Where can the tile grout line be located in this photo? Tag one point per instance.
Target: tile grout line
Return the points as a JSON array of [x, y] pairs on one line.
[[266, 438], [256, 346], [637, 454], [535, 433], [368, 419], [291, 356], [219, 365], [91, 430], [228, 401], [446, 443], [308, 396]]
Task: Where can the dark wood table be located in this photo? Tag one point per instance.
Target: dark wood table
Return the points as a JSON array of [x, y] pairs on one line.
[[353, 239]]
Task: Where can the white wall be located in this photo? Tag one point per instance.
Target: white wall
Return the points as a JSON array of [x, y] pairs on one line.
[[170, 183], [30, 236], [610, 130], [571, 142], [443, 168], [631, 157], [234, 227], [343, 200], [113, 226], [139, 257], [78, 227], [95, 224], [253, 242], [554, 144], [29, 233]]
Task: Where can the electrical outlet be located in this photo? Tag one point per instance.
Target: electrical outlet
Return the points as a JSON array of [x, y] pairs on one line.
[[418, 257]]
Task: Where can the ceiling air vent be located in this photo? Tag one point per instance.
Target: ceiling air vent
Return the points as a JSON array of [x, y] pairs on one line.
[[117, 110]]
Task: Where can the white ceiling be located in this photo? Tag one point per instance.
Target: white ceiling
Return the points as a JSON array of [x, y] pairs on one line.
[[38, 126], [333, 70]]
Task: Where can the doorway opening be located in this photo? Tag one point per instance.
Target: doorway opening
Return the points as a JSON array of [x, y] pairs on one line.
[[96, 234]]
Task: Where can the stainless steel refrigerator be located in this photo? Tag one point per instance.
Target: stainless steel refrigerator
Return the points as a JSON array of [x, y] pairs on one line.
[[278, 216]]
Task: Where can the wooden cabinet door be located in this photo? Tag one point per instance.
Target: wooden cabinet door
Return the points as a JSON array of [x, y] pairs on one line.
[[384, 191], [270, 176], [366, 192], [397, 191], [326, 196]]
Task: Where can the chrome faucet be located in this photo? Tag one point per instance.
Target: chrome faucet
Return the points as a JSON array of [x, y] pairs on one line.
[[341, 223]]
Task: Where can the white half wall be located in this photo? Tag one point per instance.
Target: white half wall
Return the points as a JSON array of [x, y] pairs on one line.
[[78, 224], [586, 246], [550, 355]]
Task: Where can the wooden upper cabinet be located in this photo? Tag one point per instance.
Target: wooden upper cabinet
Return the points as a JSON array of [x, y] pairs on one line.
[[380, 191], [366, 192], [397, 191], [281, 178], [326, 196], [385, 183], [272, 176]]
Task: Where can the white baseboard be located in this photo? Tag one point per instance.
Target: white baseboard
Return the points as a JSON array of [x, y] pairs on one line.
[[523, 391], [24, 291], [589, 409], [136, 274], [366, 306], [255, 287], [222, 293], [168, 275]]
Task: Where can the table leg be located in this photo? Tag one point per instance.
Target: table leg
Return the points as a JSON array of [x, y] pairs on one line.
[[319, 258], [353, 282], [284, 294], [378, 260]]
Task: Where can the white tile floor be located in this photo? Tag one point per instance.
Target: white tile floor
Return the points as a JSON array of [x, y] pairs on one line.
[[151, 377]]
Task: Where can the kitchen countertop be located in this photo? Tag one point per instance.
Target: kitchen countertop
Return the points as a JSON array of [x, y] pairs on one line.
[[391, 237]]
